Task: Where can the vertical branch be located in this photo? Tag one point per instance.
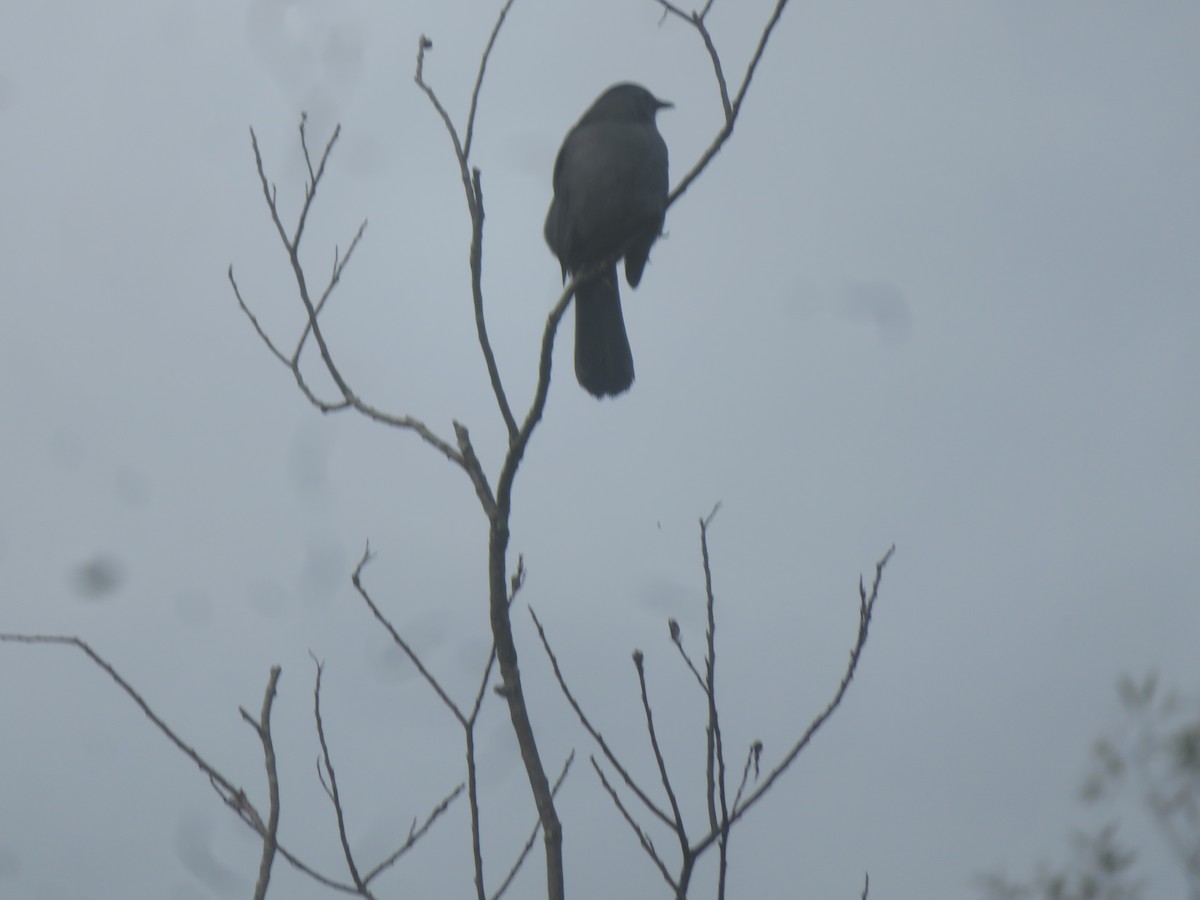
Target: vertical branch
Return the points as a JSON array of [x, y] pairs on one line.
[[715, 744], [680, 831], [335, 796], [510, 688], [473, 801], [474, 195], [498, 602], [270, 835]]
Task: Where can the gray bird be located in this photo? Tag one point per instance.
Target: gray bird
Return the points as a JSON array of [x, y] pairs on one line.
[[610, 198]]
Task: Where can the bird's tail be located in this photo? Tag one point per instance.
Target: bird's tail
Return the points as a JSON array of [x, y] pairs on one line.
[[603, 358]]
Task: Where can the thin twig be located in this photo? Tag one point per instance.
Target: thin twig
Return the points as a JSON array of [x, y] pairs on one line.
[[233, 797], [339, 265], [753, 755], [467, 723], [715, 743], [332, 787], [680, 831], [643, 838], [732, 108], [254, 321], [473, 189], [314, 178], [424, 44], [483, 61], [291, 245], [400, 642], [696, 20], [219, 780], [866, 608], [414, 835], [677, 640], [596, 735]]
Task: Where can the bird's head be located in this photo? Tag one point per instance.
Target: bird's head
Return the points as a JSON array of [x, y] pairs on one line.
[[626, 102]]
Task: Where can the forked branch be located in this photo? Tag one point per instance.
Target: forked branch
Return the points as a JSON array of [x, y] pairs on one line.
[[291, 244], [233, 797], [733, 107]]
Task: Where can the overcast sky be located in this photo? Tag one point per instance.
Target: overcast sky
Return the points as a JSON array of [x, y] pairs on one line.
[[939, 289]]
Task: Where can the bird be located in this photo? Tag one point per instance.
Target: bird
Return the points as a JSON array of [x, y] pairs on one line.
[[610, 200]]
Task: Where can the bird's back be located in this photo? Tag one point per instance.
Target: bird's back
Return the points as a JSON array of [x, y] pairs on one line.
[[610, 189]]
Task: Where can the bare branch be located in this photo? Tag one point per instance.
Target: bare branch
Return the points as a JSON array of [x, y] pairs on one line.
[[713, 731], [332, 787], [339, 265], [400, 642], [680, 831], [866, 609], [715, 746], [474, 470], [314, 178], [414, 834], [485, 343], [271, 833], [233, 797], [732, 108], [473, 190], [677, 640], [291, 245], [596, 736], [498, 607], [643, 838], [512, 873], [426, 44], [673, 10], [254, 321], [473, 801], [219, 781], [696, 20], [483, 61], [516, 449], [753, 756]]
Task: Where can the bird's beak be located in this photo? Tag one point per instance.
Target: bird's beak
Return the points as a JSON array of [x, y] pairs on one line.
[[663, 104]]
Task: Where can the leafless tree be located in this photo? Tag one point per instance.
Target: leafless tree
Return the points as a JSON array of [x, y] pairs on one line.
[[726, 803]]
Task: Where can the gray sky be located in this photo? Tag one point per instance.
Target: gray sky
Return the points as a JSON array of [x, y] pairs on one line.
[[938, 290]]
